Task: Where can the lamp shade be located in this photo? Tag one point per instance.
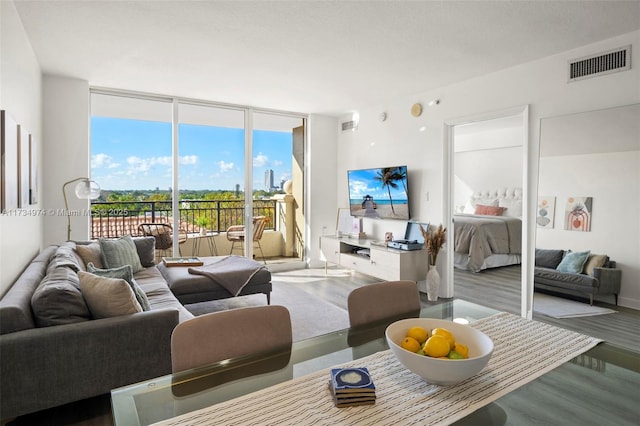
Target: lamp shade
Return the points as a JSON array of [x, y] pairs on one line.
[[87, 189]]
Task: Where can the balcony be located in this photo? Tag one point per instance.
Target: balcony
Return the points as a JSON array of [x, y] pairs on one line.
[[116, 219]]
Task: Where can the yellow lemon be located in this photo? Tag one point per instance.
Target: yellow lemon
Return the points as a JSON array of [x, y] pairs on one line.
[[436, 346], [410, 344], [418, 333], [446, 334], [463, 350]]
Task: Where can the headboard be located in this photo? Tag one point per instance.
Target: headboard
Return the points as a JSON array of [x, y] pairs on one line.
[[511, 198]]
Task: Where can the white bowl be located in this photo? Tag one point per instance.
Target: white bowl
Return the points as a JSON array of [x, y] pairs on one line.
[[441, 371]]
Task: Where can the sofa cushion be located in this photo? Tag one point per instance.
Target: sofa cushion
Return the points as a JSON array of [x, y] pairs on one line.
[[546, 258], [65, 256], [108, 297], [119, 252], [90, 253], [58, 300], [573, 261], [595, 261], [554, 278], [123, 273], [146, 248]]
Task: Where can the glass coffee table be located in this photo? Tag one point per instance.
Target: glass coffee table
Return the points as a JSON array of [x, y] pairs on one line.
[[598, 387]]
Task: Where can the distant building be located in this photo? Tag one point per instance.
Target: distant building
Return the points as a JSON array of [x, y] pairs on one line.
[[268, 179]]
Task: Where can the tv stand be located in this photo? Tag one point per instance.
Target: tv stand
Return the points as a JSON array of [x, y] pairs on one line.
[[381, 262]]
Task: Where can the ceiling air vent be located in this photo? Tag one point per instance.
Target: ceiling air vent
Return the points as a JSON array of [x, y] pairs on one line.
[[349, 125], [600, 64]]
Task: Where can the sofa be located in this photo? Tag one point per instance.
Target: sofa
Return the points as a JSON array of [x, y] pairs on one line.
[[59, 343], [577, 273]]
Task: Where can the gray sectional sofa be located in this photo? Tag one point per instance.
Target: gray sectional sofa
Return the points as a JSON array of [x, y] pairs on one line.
[[54, 351], [578, 273]]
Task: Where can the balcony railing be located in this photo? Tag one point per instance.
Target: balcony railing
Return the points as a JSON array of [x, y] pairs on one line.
[[115, 219]]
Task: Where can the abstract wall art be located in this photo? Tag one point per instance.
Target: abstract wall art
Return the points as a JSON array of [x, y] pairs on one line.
[[578, 214], [546, 211]]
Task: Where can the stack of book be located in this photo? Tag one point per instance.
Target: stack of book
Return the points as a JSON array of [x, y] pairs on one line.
[[352, 386]]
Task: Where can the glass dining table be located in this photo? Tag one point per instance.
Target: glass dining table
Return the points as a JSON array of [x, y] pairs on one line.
[[599, 385]]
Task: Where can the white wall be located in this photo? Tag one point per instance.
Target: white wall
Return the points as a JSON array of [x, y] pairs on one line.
[[20, 96], [419, 142]]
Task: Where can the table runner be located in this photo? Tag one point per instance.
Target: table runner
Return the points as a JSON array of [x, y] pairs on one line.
[[523, 351]]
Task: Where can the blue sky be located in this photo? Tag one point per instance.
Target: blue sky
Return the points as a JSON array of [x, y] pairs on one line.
[[136, 154]]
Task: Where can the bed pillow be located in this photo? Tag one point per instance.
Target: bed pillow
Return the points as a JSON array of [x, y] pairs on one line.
[[125, 273], [573, 262], [119, 252], [546, 258], [107, 297], [489, 210]]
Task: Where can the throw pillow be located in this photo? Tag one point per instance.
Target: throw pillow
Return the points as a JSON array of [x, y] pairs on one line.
[[595, 261], [546, 258], [489, 210], [146, 248], [90, 253], [123, 273], [573, 261], [119, 252], [108, 297], [57, 300]]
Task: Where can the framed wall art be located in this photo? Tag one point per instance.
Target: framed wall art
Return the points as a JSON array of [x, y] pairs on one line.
[[546, 211], [23, 167], [9, 164], [578, 214]]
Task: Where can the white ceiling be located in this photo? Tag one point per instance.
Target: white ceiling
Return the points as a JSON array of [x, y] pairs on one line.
[[327, 57]]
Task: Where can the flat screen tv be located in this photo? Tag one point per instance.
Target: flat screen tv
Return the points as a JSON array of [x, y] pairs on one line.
[[380, 193]]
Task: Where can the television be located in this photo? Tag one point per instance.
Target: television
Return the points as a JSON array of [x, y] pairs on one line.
[[380, 193]]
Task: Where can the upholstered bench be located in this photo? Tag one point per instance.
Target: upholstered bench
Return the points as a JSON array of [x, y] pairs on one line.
[[193, 288]]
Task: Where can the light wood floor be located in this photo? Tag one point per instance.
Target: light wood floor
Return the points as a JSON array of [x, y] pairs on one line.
[[498, 289]]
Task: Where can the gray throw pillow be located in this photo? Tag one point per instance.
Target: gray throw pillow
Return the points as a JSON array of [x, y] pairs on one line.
[[124, 273], [57, 300], [107, 297], [119, 252], [146, 248], [573, 262], [546, 258]]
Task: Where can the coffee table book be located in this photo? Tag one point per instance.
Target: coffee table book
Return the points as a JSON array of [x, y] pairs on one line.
[[182, 261]]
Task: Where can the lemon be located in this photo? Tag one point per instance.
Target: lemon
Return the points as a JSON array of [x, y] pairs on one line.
[[463, 350], [418, 333], [410, 344], [436, 346], [446, 334]]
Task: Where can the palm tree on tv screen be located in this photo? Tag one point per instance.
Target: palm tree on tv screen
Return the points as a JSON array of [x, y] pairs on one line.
[[388, 177]]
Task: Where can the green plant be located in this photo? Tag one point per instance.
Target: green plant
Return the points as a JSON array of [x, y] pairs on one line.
[[202, 221]]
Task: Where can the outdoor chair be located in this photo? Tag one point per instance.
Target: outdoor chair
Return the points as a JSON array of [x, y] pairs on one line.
[[163, 233], [223, 335], [236, 234]]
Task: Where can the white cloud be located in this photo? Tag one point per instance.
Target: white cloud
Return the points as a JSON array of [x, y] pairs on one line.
[[277, 163], [188, 159], [103, 161], [225, 167], [260, 160]]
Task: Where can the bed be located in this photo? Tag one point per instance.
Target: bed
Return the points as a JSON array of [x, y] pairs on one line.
[[488, 234]]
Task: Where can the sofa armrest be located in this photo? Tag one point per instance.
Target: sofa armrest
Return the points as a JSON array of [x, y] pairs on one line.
[[609, 280], [49, 366]]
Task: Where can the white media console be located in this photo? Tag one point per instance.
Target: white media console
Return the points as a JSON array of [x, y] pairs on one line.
[[377, 260]]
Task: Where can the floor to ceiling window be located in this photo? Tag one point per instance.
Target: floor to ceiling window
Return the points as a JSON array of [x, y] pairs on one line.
[[219, 155]]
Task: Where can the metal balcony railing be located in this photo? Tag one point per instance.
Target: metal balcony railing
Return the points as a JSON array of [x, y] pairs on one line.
[[115, 219]]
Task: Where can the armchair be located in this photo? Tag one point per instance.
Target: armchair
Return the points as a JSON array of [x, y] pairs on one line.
[[236, 234]]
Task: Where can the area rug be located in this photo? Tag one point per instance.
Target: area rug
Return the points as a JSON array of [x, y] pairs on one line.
[[558, 307], [310, 315]]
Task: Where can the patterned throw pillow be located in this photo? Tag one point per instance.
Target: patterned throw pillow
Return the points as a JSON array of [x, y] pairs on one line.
[[107, 297], [123, 273], [573, 261], [119, 252]]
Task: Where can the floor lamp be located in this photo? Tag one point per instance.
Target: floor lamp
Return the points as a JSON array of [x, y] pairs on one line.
[[86, 189]]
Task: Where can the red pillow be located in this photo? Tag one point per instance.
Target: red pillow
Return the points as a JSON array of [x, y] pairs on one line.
[[489, 210]]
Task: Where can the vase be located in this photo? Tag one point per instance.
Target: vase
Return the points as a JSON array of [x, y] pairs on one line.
[[433, 283], [203, 232]]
